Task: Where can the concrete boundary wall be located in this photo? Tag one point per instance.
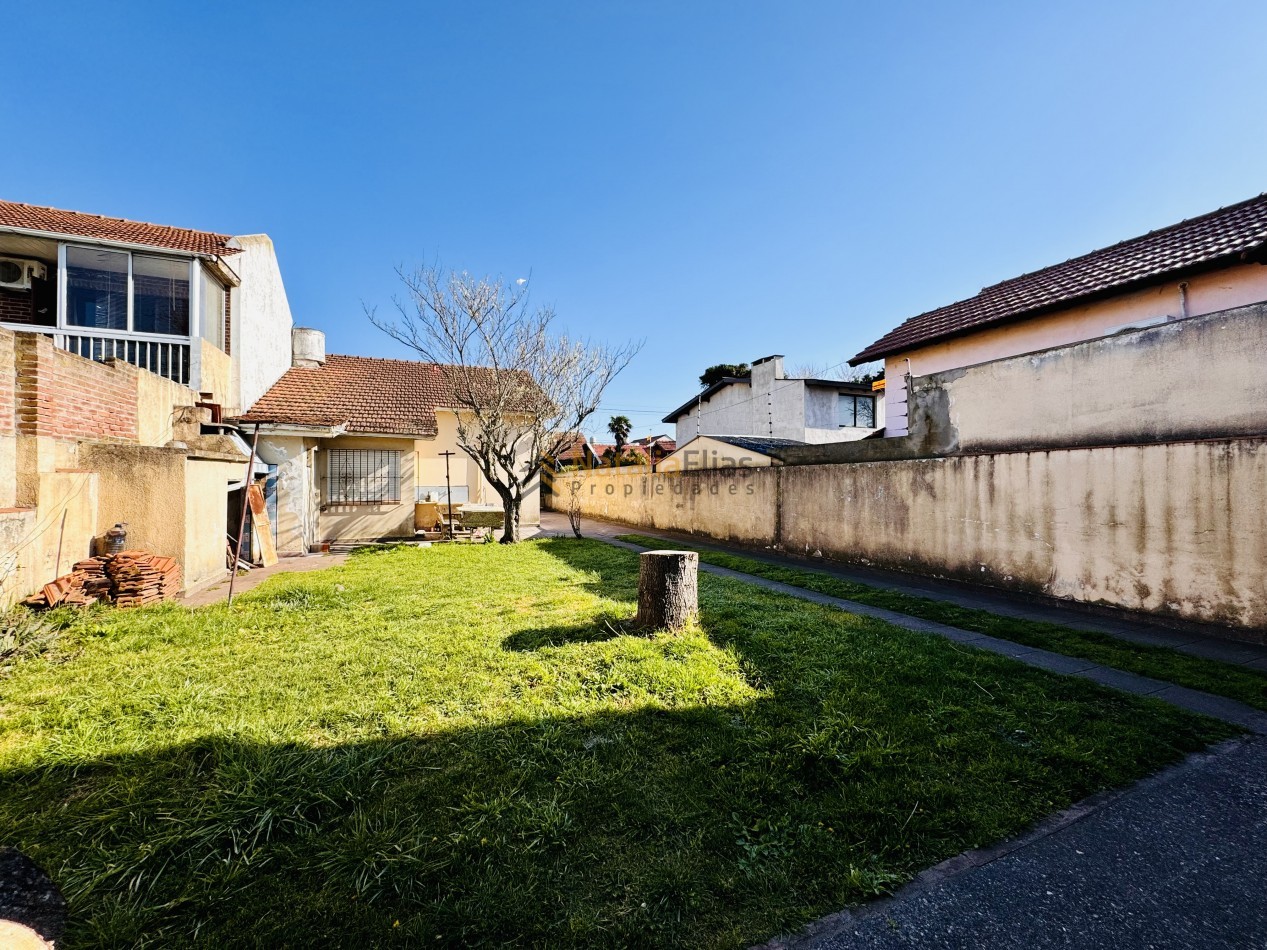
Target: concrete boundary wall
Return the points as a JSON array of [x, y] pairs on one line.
[[1173, 528]]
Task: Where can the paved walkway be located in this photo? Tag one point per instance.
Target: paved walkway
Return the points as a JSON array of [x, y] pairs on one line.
[[220, 591], [1178, 860], [1187, 637]]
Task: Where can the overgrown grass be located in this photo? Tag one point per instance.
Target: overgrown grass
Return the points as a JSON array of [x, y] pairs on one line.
[[1213, 676], [468, 745]]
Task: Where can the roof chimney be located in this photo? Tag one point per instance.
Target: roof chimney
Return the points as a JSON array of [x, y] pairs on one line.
[[307, 347]]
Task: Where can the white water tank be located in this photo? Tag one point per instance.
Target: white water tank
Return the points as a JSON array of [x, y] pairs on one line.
[[307, 347]]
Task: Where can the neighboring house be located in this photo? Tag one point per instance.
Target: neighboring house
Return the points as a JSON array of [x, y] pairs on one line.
[[726, 451], [1200, 266], [770, 405], [122, 346], [656, 447], [577, 452], [358, 442]]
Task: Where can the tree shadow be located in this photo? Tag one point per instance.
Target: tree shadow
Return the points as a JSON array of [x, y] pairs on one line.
[[808, 765], [606, 626]]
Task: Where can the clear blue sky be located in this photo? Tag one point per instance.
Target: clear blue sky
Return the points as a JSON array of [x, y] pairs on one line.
[[724, 179]]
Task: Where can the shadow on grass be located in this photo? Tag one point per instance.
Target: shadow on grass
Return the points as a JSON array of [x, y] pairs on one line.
[[605, 627], [861, 758]]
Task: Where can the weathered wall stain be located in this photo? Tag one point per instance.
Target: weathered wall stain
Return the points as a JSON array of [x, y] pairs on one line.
[[1177, 529]]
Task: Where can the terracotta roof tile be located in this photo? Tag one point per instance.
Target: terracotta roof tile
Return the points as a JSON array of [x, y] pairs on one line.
[[364, 393], [1221, 236], [14, 214]]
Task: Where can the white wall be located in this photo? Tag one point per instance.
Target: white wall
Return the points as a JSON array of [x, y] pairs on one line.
[[772, 406], [261, 319]]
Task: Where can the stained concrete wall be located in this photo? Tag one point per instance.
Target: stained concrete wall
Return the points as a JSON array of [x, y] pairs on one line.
[[297, 496], [1201, 294], [206, 519], [1177, 529], [38, 544], [1196, 378]]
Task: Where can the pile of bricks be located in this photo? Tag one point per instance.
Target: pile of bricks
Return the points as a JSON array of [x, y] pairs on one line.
[[127, 579]]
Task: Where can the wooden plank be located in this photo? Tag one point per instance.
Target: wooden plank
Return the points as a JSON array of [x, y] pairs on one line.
[[263, 530]]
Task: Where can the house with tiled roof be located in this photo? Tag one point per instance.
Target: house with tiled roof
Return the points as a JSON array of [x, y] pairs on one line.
[[364, 448], [124, 345], [1200, 266]]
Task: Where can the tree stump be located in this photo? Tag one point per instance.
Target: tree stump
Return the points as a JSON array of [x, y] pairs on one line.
[[668, 589]]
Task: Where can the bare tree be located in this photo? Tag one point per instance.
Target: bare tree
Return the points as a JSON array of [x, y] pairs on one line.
[[520, 388], [574, 503]]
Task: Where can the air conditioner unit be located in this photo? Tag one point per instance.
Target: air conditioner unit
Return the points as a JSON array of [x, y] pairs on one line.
[[16, 273]]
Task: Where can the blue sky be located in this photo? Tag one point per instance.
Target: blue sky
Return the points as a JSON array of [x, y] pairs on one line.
[[722, 179]]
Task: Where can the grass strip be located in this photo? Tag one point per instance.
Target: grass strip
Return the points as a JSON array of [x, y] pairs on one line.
[[1173, 666]]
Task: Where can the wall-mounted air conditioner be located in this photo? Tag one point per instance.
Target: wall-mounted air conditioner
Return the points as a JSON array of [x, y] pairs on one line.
[[16, 273]]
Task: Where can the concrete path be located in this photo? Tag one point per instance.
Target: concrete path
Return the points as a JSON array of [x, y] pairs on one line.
[[1178, 860], [1187, 637], [219, 592]]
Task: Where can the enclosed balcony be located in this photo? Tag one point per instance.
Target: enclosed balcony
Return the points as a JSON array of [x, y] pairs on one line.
[[161, 311]]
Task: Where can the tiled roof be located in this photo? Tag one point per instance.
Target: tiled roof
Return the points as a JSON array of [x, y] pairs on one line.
[[14, 214], [365, 394], [1227, 235], [755, 443]]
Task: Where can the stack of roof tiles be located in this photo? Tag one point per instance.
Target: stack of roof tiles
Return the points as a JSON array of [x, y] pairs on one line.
[[127, 579]]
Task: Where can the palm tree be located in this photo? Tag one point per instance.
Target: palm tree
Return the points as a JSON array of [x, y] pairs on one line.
[[620, 427]]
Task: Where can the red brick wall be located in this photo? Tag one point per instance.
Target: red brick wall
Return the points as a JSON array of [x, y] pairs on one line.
[[60, 394], [15, 306]]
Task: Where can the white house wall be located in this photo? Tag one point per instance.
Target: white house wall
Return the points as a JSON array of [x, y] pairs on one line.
[[261, 319]]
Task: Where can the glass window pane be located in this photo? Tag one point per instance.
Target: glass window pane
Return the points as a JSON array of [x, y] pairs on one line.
[[96, 288], [160, 295], [212, 310], [847, 409], [866, 412]]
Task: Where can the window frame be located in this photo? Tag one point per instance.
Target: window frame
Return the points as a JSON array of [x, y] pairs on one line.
[[854, 397], [392, 490], [196, 269]]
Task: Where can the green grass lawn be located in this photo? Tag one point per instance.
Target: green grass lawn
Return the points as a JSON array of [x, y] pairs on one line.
[[1212, 676], [467, 744]]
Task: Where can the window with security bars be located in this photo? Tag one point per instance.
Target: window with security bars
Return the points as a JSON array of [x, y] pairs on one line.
[[362, 477], [857, 412]]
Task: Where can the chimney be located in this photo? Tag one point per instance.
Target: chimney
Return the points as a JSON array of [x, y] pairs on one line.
[[307, 347]]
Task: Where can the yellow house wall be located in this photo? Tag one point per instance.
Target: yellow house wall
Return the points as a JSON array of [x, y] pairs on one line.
[[206, 510], [158, 403], [145, 487], [367, 522]]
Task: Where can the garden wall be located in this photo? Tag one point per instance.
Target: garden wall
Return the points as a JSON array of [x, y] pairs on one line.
[[1174, 528]]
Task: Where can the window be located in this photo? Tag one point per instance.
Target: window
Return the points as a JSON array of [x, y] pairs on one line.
[[160, 295], [212, 310], [96, 288], [857, 412], [362, 477]]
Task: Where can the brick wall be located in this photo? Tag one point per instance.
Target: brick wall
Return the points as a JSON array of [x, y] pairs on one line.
[[63, 395], [15, 306]]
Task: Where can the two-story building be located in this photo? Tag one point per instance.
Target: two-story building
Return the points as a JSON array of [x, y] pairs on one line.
[[123, 345], [769, 405]]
